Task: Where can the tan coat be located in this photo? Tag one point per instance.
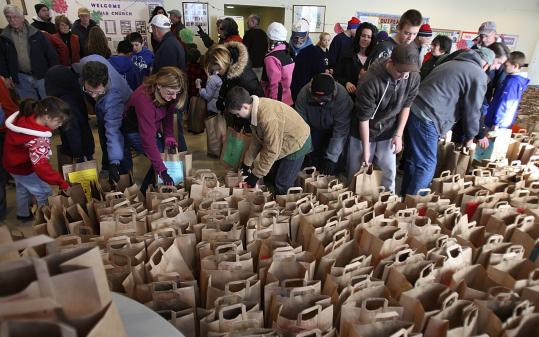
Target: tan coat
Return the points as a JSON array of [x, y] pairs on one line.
[[278, 131]]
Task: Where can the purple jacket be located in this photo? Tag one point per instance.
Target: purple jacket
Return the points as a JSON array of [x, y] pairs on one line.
[[150, 119], [277, 75]]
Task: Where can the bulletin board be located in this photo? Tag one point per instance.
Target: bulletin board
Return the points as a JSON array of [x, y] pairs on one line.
[[384, 22], [196, 14], [315, 15]]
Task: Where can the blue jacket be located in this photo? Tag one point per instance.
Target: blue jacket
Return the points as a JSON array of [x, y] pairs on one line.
[[124, 65], [42, 54], [503, 108], [143, 61], [109, 108]]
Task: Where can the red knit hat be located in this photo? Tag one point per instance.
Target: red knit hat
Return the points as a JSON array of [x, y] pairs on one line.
[[425, 30], [353, 23]]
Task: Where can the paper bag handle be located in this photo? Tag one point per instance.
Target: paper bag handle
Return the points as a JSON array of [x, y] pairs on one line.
[[167, 189], [269, 205], [315, 308], [154, 255], [246, 285], [521, 193], [401, 333], [449, 300], [30, 242], [386, 316], [310, 333], [513, 252], [376, 302], [295, 292], [230, 308], [403, 255], [445, 174], [294, 281], [494, 239]]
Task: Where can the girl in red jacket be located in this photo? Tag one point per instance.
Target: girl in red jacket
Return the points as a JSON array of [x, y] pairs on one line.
[[27, 150]]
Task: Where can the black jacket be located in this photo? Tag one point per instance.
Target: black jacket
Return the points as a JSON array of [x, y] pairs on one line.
[[42, 54], [82, 32], [76, 134], [240, 74], [379, 100], [170, 53], [309, 62], [48, 26], [382, 50], [334, 116], [348, 69], [256, 42]]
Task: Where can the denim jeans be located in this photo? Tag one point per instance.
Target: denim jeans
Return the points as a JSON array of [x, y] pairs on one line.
[[135, 141], [182, 145], [29, 87], [283, 174], [381, 155], [420, 164], [26, 187]]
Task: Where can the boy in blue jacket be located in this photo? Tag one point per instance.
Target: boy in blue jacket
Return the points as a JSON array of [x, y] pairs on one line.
[[502, 111], [124, 65], [142, 57]]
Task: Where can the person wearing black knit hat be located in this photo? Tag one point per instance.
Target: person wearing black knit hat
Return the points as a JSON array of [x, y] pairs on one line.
[[43, 20]]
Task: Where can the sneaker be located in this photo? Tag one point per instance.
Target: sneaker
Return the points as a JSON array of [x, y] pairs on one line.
[[25, 218]]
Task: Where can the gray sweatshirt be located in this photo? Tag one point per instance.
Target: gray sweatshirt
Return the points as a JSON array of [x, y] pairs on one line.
[[453, 91]]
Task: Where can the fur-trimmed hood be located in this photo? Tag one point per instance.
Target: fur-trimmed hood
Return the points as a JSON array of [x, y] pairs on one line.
[[240, 59]]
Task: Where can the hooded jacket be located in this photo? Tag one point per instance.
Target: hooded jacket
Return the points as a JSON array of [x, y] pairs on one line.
[[277, 75], [334, 115], [380, 99], [503, 108], [170, 53], [76, 134], [240, 74], [453, 92], [143, 61], [382, 50], [127, 69], [82, 32], [307, 63], [211, 92], [278, 131], [46, 26], [27, 149], [110, 108], [42, 54]]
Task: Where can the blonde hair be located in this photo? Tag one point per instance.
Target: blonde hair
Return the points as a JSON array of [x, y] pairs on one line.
[[219, 56], [167, 77], [321, 37]]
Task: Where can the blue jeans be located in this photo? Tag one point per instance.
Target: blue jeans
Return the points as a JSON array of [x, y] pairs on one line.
[[182, 145], [420, 164], [26, 187], [135, 141], [29, 87], [283, 174]]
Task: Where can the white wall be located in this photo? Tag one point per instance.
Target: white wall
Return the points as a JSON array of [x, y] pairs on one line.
[[519, 17]]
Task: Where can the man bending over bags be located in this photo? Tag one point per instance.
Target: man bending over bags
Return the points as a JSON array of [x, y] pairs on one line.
[[281, 139]]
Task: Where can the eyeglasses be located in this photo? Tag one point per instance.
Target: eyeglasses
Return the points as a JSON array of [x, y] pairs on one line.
[[169, 92], [94, 93]]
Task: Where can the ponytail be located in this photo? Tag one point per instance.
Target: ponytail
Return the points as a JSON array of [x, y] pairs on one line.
[[50, 106]]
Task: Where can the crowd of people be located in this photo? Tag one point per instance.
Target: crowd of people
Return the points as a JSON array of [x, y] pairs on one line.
[[356, 100]]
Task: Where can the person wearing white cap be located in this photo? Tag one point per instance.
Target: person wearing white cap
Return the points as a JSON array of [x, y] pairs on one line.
[[278, 66], [309, 59]]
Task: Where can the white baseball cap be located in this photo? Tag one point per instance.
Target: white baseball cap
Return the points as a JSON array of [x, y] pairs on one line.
[[277, 32], [160, 21], [301, 26]]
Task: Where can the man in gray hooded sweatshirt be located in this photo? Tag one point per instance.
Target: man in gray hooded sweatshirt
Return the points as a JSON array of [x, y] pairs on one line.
[[453, 92], [383, 99]]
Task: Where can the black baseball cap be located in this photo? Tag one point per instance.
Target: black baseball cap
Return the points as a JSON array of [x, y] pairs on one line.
[[322, 85]]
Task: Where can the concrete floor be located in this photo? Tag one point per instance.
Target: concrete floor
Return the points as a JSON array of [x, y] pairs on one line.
[[196, 145]]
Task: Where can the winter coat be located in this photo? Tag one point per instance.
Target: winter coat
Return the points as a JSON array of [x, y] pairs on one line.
[[233, 38], [110, 109], [73, 48], [47, 26], [27, 149], [348, 69], [169, 53], [61, 48], [309, 62], [7, 105], [211, 92], [334, 116], [380, 99], [82, 32], [503, 108], [430, 64], [143, 61], [382, 50], [453, 92], [240, 74], [278, 131], [142, 111], [256, 41], [76, 133], [340, 46], [42, 54], [127, 69], [277, 75]]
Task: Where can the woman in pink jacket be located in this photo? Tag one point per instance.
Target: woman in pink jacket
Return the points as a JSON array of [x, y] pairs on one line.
[[278, 66]]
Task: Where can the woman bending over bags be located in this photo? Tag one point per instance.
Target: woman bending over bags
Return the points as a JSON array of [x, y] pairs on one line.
[[148, 123], [27, 150]]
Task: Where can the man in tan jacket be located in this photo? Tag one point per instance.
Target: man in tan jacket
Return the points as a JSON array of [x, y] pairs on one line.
[[281, 139]]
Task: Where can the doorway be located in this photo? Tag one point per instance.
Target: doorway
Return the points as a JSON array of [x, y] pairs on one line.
[[267, 14]]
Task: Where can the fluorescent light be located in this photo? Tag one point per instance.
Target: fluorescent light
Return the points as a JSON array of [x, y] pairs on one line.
[[230, 7]]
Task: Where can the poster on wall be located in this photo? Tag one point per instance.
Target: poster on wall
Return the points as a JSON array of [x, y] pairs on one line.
[[315, 15], [467, 38], [239, 20], [196, 14], [509, 40], [385, 22]]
